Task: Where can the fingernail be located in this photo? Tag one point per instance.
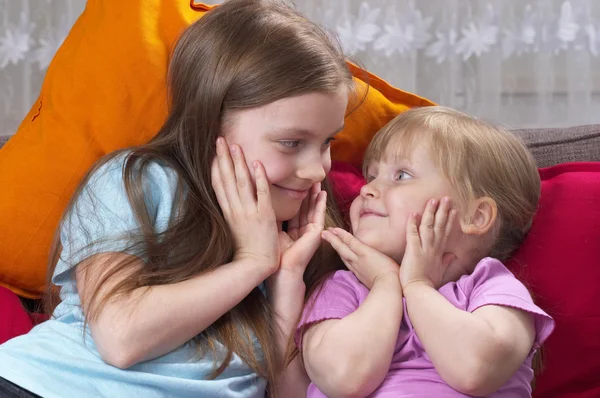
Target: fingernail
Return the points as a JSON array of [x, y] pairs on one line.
[[233, 148], [446, 200], [433, 202], [219, 141], [255, 164]]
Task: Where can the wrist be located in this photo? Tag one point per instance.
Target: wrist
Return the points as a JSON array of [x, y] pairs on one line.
[[288, 282], [288, 275], [286, 293], [263, 267], [416, 286], [388, 280]]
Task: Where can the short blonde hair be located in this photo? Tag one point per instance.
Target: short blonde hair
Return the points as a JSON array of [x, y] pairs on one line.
[[478, 160]]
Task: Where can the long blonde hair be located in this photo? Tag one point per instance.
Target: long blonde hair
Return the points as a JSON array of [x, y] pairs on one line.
[[477, 158], [243, 54]]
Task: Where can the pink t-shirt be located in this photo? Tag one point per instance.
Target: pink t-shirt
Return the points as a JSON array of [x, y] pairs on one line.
[[411, 372]]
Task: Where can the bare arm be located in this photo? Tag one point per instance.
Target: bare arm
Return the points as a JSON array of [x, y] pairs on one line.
[[150, 322], [286, 292], [350, 357], [475, 353], [287, 288]]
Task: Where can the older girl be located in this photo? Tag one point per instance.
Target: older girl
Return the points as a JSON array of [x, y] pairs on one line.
[[161, 290]]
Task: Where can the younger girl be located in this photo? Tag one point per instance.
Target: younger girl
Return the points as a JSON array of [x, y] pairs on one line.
[[160, 276], [451, 320]]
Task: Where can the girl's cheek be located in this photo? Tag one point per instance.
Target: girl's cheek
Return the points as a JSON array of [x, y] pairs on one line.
[[326, 161], [354, 212], [327, 166], [272, 169]]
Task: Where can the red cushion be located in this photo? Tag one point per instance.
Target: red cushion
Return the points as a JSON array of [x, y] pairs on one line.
[[560, 263], [346, 181], [14, 320]]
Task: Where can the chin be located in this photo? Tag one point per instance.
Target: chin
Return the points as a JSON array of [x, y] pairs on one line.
[[380, 243], [285, 213], [370, 238]]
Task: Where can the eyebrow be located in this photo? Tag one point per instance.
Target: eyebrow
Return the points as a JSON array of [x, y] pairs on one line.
[[305, 131], [395, 162]]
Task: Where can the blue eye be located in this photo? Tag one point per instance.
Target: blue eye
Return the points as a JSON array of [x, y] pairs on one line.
[[403, 175], [290, 143]]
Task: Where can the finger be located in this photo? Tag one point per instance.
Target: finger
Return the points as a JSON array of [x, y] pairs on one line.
[[441, 220], [412, 231], [303, 213], [218, 187], [228, 175], [314, 194], [285, 242], [263, 192], [349, 240], [242, 176], [293, 226], [339, 246], [427, 224], [450, 224], [320, 209]]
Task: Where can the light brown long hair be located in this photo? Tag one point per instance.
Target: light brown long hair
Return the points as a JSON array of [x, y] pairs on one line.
[[243, 54]]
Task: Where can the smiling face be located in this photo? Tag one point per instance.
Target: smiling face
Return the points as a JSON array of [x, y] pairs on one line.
[[397, 187], [291, 137]]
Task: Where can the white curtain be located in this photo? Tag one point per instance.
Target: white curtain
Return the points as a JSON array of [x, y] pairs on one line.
[[521, 63], [30, 33]]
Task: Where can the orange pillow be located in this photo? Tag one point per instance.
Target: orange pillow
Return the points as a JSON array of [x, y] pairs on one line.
[[105, 89]]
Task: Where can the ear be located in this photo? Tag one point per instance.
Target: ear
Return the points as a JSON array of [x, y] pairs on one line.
[[481, 217]]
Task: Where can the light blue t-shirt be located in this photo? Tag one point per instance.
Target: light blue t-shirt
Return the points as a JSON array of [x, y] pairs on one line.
[[59, 359]]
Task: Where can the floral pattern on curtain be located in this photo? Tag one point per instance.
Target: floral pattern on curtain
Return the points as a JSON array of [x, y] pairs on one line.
[[518, 62]]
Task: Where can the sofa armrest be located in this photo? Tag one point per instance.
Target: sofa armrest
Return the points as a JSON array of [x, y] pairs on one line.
[[551, 146]]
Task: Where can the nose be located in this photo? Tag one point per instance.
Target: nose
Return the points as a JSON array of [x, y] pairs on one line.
[[314, 172], [315, 169], [369, 190]]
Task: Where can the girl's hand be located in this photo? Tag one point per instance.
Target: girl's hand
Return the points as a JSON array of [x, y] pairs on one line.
[[249, 213], [286, 288], [365, 262], [303, 236], [425, 259]]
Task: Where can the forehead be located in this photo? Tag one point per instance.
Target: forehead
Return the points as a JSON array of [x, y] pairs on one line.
[[313, 113], [410, 152]]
